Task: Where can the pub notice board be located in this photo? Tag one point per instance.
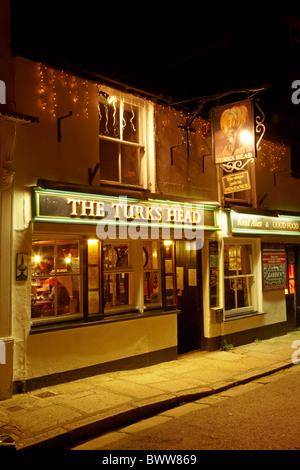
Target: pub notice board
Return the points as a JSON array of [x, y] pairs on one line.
[[274, 267]]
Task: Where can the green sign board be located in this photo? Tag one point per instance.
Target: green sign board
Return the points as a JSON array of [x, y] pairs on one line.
[[78, 208], [261, 224]]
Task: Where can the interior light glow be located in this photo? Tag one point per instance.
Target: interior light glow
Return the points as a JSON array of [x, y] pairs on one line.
[[37, 259], [92, 241], [168, 242]]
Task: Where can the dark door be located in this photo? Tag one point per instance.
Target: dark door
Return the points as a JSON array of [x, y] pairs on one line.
[[293, 285], [189, 288]]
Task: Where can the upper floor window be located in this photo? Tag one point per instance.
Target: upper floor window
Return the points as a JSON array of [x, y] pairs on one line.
[[123, 138]]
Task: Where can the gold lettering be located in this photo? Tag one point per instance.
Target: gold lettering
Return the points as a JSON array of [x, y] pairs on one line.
[[100, 209], [129, 212], [187, 217], [171, 215], [139, 212], [89, 207], [158, 213], [73, 203], [117, 207], [196, 216], [149, 214], [179, 215]]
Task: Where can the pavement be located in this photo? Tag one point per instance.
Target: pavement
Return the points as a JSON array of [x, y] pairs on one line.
[[61, 416]]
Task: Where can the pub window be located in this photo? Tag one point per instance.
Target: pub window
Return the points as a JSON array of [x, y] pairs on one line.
[[55, 279], [238, 278], [151, 273], [117, 278], [93, 308], [121, 139], [170, 300]]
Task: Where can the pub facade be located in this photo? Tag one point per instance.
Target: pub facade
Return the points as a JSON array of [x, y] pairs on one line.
[[121, 245]]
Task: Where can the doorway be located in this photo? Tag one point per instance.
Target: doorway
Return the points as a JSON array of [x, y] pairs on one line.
[[189, 289], [292, 297]]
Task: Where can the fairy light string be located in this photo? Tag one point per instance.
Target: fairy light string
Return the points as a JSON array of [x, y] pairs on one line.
[[271, 154], [76, 92], [52, 83]]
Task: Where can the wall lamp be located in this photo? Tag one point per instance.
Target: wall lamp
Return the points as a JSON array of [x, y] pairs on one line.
[[109, 98]]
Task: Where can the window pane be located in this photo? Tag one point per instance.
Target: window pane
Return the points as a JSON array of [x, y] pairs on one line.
[[122, 289], [109, 160], [150, 254], [116, 290], [41, 304], [42, 263], [115, 256], [67, 257], [54, 296], [55, 281], [152, 291], [243, 292], [60, 292], [130, 164], [109, 116], [122, 252], [237, 259], [108, 290], [130, 123], [230, 294], [151, 287], [246, 252]]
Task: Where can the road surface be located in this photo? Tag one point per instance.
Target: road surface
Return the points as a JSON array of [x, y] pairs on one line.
[[261, 415]]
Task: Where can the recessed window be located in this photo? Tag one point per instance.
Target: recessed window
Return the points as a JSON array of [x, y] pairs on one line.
[[117, 277], [55, 278], [121, 139], [238, 278], [151, 273]]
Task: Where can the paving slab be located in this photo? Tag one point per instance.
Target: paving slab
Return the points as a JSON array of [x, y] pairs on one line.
[[60, 416]]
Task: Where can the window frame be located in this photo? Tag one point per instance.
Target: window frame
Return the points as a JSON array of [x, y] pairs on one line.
[[114, 271], [159, 302], [123, 101], [142, 145], [135, 269], [65, 317], [241, 311]]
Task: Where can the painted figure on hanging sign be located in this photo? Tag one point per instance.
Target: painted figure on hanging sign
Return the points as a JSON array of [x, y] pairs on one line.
[[233, 132]]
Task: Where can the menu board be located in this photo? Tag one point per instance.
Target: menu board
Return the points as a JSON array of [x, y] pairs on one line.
[[274, 267], [213, 273]]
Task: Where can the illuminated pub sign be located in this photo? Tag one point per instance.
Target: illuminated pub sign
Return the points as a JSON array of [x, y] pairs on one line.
[[233, 132], [236, 182], [80, 208], [260, 224]]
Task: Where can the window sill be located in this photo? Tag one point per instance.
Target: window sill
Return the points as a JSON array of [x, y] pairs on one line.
[[241, 316], [35, 329]]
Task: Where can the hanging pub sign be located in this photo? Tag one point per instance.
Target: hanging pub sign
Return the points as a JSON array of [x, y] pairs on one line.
[[233, 132], [236, 182]]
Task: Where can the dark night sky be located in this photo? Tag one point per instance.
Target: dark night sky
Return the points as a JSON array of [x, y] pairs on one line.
[[177, 50]]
